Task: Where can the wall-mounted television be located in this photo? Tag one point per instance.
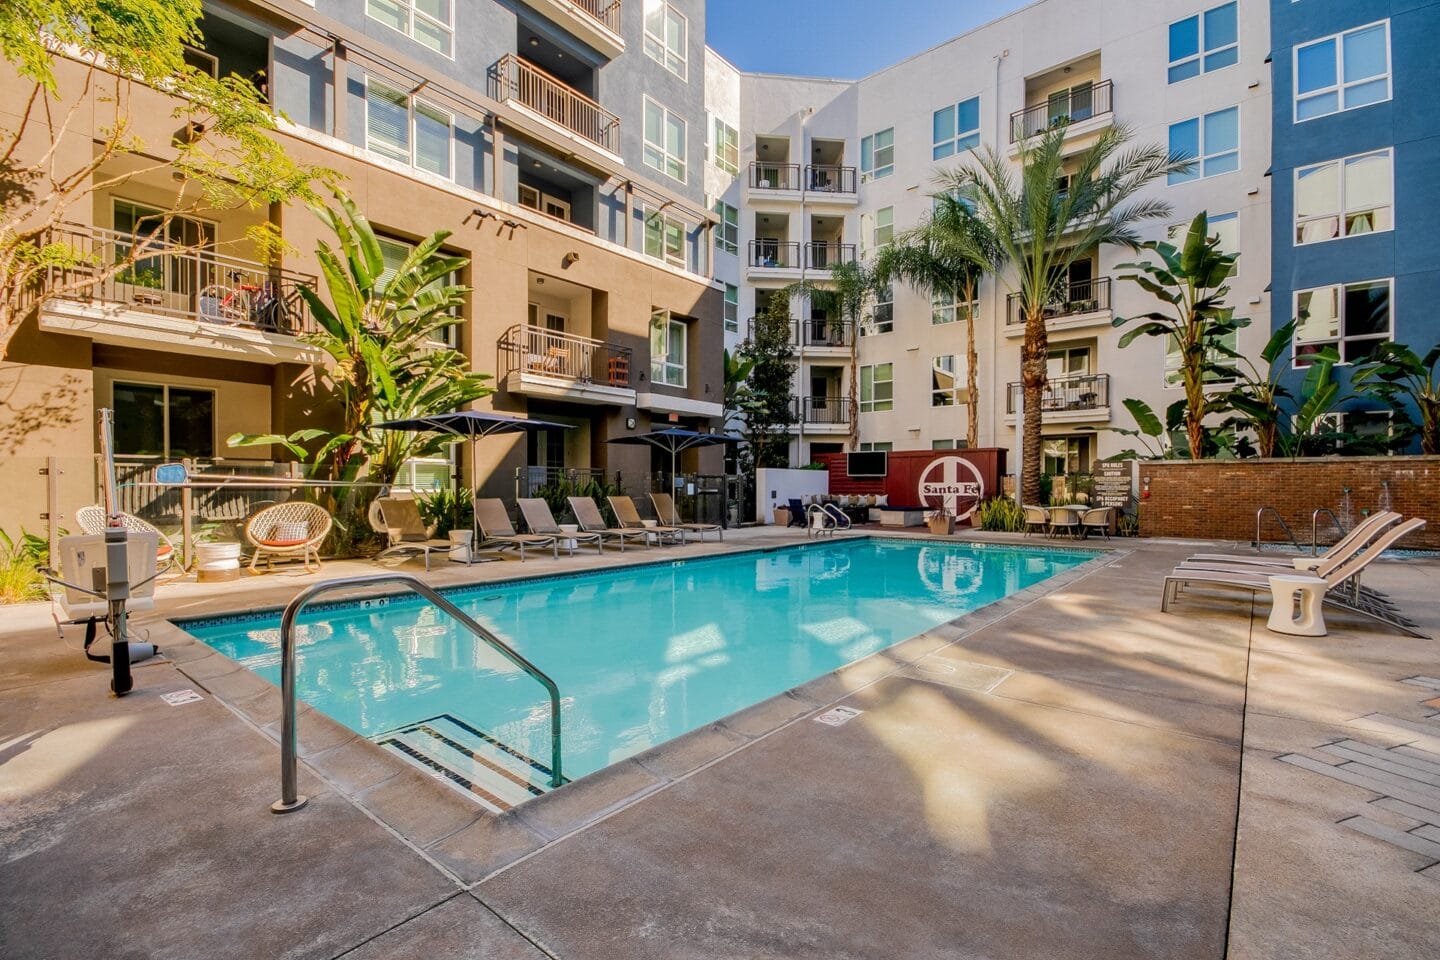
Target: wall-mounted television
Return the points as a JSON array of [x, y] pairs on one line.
[[867, 463]]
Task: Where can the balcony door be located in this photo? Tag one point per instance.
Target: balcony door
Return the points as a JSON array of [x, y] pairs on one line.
[[1065, 362], [547, 349], [165, 273]]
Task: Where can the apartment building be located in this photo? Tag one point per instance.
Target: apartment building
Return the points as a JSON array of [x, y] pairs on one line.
[[560, 142], [832, 170], [1356, 181]]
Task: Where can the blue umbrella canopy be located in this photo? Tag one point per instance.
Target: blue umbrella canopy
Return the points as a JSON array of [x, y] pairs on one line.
[[472, 423], [674, 440]]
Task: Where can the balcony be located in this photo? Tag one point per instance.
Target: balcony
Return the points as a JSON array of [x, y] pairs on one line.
[[827, 334], [824, 254], [1085, 109], [194, 302], [829, 414], [830, 183], [776, 181], [794, 330], [538, 362], [550, 103], [776, 259], [596, 22], [1081, 399], [1079, 304]]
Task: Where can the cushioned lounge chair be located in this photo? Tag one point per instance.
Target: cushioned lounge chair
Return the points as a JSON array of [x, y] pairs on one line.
[[496, 530], [587, 514], [406, 531], [542, 522], [1361, 534], [628, 516], [293, 529], [667, 512]]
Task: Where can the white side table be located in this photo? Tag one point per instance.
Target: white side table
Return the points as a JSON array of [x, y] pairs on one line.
[[1285, 591]]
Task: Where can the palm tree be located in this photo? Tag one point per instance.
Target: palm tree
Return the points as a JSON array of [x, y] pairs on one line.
[[947, 254], [850, 283], [1057, 212]]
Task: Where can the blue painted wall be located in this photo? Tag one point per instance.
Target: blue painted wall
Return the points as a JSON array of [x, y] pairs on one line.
[[1409, 123]]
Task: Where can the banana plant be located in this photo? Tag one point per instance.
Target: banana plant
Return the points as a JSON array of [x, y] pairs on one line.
[[1396, 374], [1257, 394]]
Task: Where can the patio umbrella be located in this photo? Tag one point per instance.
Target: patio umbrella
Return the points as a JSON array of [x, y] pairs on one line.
[[673, 439], [473, 425]]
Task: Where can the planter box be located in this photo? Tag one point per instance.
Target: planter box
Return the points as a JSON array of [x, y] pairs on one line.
[[942, 526], [782, 516]]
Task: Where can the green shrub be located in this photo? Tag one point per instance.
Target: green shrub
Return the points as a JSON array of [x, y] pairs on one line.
[[1128, 525], [1001, 515], [447, 510], [20, 565]]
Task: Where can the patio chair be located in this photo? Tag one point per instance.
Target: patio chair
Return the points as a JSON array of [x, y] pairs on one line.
[[587, 514], [92, 520], [496, 530], [1096, 518], [1066, 519], [293, 529], [1338, 580], [1359, 535], [542, 522], [628, 516], [797, 512], [406, 531], [1036, 519], [841, 518], [666, 510]]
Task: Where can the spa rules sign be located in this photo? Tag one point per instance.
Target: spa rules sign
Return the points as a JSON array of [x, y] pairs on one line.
[[953, 485]]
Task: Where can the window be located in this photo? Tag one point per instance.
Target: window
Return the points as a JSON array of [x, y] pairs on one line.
[[666, 36], [1352, 317], [664, 140], [884, 229], [1203, 43], [877, 387], [152, 420], [1172, 361], [882, 317], [1342, 72], [1343, 198], [1066, 362], [667, 349], [1066, 455], [537, 199], [425, 474], [1212, 141], [406, 129], [1224, 226], [877, 446], [430, 22], [945, 308], [394, 253], [732, 308], [956, 128], [727, 231], [877, 155], [665, 239], [725, 148], [946, 373]]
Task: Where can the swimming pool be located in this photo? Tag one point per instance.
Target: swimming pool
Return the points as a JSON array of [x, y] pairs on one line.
[[641, 654]]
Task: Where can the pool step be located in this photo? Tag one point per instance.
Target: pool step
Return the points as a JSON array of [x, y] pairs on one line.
[[467, 758]]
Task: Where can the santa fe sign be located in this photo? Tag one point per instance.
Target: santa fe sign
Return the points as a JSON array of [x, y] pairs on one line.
[[952, 484]]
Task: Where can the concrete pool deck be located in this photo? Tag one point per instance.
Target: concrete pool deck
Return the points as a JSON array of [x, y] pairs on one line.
[[1058, 776]]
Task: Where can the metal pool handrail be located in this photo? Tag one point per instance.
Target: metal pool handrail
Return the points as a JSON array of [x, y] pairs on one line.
[[1314, 524], [290, 798]]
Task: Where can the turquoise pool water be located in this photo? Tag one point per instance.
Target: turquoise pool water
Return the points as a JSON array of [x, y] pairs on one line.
[[640, 655]]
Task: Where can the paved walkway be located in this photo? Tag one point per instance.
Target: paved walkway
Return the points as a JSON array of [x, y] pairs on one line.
[[1055, 777]]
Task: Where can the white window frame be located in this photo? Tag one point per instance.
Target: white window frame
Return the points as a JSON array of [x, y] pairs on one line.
[[876, 227], [407, 7], [957, 372], [727, 231], [876, 171], [1342, 212], [658, 156], [876, 404], [658, 48], [165, 389], [884, 303], [661, 369], [1202, 54], [1175, 234], [877, 446], [1202, 158], [951, 146], [667, 225], [1340, 339], [732, 308], [725, 147], [1340, 86], [412, 106], [946, 307], [1170, 374]]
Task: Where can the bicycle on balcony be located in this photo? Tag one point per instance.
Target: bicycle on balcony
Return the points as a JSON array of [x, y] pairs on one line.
[[238, 302]]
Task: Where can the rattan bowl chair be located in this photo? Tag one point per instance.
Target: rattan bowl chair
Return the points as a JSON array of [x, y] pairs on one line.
[[92, 521], [293, 529]]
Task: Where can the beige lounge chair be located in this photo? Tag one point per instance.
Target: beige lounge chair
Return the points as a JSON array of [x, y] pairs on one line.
[[666, 510], [1339, 578], [92, 520], [1359, 535], [542, 522], [587, 514], [496, 529], [293, 529], [406, 531], [628, 516]]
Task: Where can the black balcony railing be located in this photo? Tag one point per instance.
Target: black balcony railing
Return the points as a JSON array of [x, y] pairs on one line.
[[1073, 299], [829, 178], [827, 333], [774, 176], [194, 284], [550, 354], [794, 330], [822, 410], [777, 254], [1088, 392], [824, 254], [1070, 106]]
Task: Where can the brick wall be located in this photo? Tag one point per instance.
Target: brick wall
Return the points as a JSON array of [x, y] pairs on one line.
[[1217, 499]]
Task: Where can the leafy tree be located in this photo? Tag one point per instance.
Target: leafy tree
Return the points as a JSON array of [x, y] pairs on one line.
[[947, 254], [1192, 281], [767, 402], [737, 372], [1286, 423], [385, 341], [1059, 210], [850, 284], [1258, 393], [1403, 378], [223, 156]]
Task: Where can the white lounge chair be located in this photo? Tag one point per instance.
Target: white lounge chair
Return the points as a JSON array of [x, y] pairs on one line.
[[541, 521], [587, 514], [496, 530], [665, 509], [406, 531], [1359, 535], [628, 516]]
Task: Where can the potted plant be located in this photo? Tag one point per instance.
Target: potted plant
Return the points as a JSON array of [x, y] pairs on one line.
[[942, 523]]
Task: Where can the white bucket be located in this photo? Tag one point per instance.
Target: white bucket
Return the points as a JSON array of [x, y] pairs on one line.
[[217, 562]]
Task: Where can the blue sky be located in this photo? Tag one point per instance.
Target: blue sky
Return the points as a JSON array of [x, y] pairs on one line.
[[838, 38]]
